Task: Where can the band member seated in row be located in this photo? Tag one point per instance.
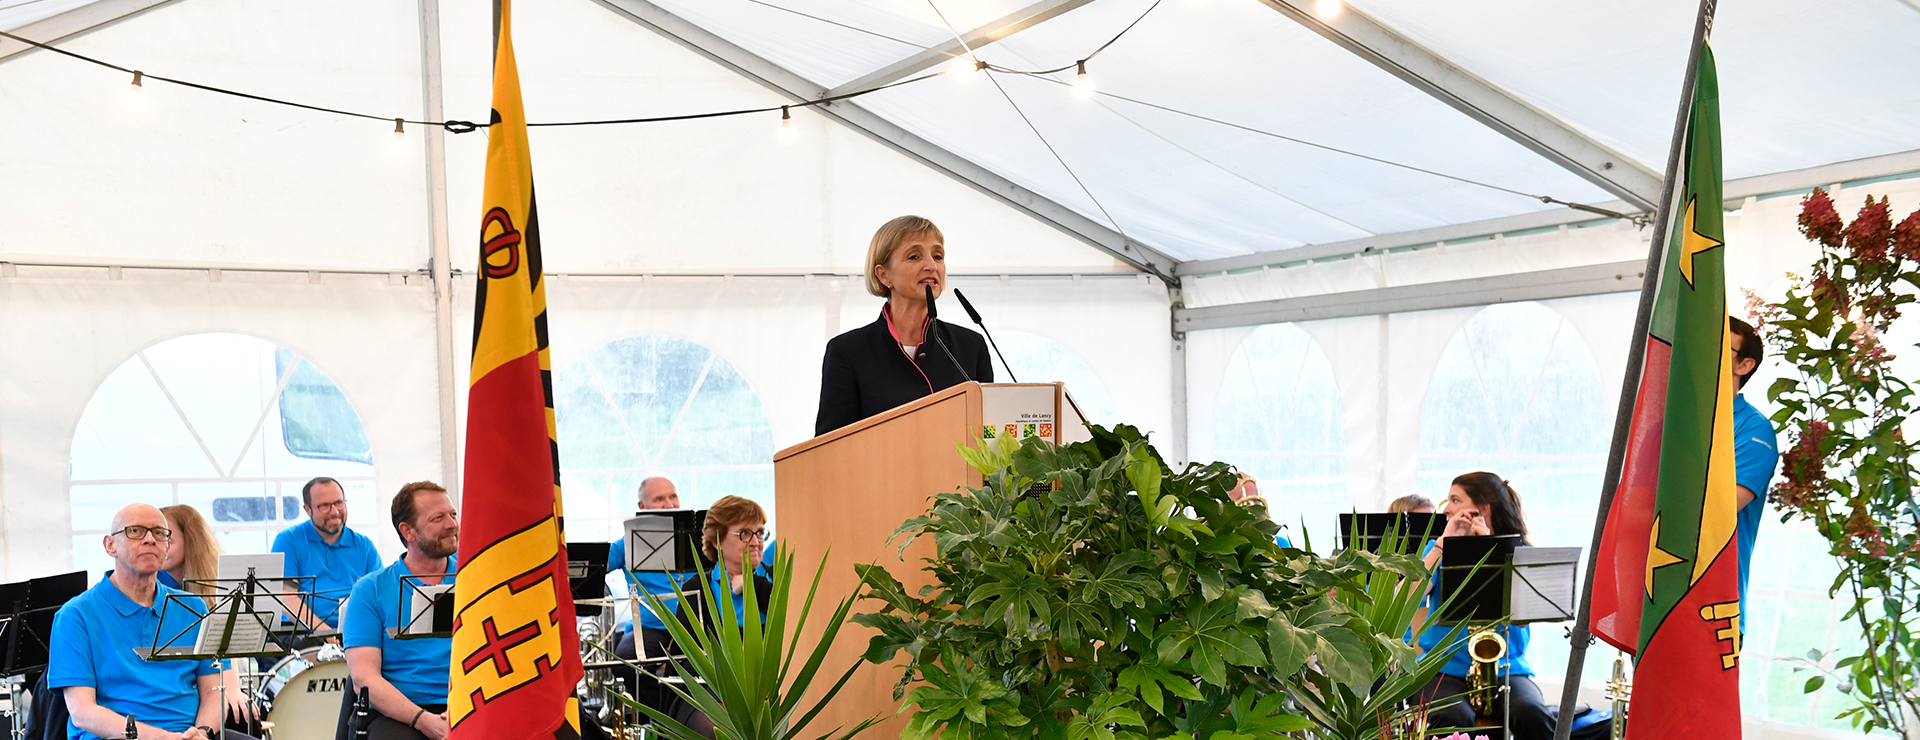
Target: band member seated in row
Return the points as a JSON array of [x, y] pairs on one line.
[[1478, 505], [92, 662], [406, 680], [1248, 489], [1411, 503], [325, 550], [734, 536]]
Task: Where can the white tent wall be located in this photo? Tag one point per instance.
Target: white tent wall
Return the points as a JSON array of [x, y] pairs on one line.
[[773, 330], [372, 336]]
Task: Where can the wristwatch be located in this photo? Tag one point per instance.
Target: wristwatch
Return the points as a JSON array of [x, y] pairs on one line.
[[208, 731]]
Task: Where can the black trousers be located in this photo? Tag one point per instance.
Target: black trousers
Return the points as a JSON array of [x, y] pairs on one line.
[[1529, 720]]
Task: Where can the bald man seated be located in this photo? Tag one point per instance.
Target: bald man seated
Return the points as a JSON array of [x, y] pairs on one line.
[[93, 664]]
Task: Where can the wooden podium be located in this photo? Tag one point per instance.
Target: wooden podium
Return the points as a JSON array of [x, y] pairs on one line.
[[849, 489]]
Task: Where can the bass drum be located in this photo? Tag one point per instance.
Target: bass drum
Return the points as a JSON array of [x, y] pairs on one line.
[[305, 691]]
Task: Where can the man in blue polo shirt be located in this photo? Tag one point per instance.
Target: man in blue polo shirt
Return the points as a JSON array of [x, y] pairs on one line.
[[1756, 451], [324, 549], [406, 680], [92, 660]]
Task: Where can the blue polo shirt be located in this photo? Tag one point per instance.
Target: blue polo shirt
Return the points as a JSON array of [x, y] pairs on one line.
[[719, 581], [658, 583], [1459, 663], [1756, 451], [334, 568], [417, 667], [93, 640]]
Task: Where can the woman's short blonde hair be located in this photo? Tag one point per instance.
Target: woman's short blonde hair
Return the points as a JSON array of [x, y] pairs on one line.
[[887, 239], [723, 515], [202, 558]]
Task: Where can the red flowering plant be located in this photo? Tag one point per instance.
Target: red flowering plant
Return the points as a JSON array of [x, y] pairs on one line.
[[1850, 470]]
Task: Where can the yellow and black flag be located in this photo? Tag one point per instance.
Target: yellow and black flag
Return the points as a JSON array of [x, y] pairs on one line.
[[516, 652]]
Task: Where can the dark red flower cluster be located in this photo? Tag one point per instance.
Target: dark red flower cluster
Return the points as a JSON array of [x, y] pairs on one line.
[[1871, 231], [1822, 288], [1906, 238], [1818, 219], [1804, 469]]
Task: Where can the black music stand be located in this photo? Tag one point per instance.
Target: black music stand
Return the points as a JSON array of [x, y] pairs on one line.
[[1409, 532], [664, 540], [587, 576], [425, 609], [27, 609]]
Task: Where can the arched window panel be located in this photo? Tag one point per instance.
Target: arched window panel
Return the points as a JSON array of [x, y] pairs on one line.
[[656, 404], [1037, 359], [1517, 393], [1279, 419], [229, 424]]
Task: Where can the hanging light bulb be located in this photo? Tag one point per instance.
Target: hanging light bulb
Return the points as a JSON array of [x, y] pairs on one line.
[[1082, 86], [136, 97], [962, 69], [1327, 8], [399, 136], [787, 131]]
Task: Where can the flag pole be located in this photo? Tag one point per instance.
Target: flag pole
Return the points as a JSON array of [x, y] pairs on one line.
[[1582, 634]]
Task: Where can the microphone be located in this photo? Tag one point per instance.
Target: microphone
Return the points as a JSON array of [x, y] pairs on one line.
[[933, 330], [975, 315]]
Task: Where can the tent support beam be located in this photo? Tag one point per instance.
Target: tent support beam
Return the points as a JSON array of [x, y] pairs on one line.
[[1866, 168], [1547, 136], [1617, 277], [440, 264], [779, 79], [81, 20], [995, 30]]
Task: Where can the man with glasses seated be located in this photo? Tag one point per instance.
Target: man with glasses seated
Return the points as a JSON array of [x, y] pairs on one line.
[[325, 552], [92, 663]]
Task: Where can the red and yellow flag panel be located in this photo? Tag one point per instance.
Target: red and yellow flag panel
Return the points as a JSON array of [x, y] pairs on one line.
[[516, 652], [1667, 587]]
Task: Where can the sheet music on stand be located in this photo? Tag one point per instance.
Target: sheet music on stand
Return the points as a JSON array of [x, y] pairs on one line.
[[1544, 579], [1497, 579], [425, 609], [664, 540], [230, 629]]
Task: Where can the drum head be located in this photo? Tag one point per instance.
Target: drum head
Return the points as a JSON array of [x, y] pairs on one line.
[[307, 706]]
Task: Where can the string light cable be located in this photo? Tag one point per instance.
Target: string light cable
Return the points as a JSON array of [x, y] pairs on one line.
[[461, 127]]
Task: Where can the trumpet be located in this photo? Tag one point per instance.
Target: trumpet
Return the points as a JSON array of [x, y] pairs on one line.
[[1620, 690], [1486, 647]]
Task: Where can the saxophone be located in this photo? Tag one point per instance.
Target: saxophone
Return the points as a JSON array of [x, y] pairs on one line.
[[1486, 647]]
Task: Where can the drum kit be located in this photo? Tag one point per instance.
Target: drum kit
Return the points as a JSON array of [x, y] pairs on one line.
[[302, 694]]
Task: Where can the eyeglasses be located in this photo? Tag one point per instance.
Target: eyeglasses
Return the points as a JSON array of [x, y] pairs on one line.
[[137, 532], [752, 535]]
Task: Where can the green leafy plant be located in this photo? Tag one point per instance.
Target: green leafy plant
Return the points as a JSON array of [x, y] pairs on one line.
[[741, 673], [1850, 470], [1088, 592]]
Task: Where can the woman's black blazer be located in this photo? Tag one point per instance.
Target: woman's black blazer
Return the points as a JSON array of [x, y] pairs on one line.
[[864, 373]]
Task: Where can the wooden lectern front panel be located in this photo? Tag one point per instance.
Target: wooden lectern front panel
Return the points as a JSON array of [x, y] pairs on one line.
[[848, 490]]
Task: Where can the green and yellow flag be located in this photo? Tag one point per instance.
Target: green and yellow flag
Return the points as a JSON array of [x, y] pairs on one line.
[[1667, 585], [516, 651]]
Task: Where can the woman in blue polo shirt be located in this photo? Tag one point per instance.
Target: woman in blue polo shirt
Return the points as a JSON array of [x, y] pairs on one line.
[[734, 537], [1477, 505]]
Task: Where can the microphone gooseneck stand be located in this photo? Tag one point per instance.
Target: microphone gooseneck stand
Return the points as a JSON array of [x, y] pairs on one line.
[[975, 315], [933, 331]]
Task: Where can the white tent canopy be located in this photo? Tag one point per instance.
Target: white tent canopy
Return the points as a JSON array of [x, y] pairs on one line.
[[1312, 245]]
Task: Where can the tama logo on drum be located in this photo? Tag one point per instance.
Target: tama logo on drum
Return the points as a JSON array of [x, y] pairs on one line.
[[326, 685]]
